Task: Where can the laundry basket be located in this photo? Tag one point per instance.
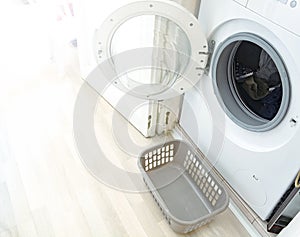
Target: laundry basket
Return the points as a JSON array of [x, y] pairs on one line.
[[187, 191]]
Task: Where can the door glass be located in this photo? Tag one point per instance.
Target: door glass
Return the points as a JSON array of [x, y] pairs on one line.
[[257, 80], [169, 48]]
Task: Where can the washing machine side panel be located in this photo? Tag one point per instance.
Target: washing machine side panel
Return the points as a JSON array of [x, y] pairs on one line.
[[196, 119]]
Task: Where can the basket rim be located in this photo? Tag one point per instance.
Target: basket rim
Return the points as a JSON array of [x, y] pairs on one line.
[[157, 196]]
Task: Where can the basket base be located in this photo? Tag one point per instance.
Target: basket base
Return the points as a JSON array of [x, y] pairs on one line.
[[181, 196]]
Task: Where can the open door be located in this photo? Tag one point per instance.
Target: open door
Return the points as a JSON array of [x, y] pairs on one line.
[[149, 52]]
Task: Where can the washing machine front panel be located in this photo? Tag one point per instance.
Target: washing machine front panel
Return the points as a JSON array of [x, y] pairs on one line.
[[269, 174], [285, 131], [286, 45], [249, 156], [251, 160], [284, 13]]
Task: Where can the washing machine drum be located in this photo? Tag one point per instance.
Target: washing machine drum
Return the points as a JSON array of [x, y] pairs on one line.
[[251, 82], [152, 49], [257, 80]]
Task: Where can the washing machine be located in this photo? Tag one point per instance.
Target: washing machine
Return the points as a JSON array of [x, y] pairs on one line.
[[244, 114]]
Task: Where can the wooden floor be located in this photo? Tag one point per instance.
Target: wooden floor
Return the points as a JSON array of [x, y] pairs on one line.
[[46, 191]]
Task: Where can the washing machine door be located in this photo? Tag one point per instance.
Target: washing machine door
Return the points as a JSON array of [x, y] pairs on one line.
[[153, 50]]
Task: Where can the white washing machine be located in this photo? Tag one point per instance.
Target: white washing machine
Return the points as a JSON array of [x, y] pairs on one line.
[[255, 146], [244, 113]]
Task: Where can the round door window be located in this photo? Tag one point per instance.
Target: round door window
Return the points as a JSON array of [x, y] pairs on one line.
[[251, 82], [152, 32], [157, 49]]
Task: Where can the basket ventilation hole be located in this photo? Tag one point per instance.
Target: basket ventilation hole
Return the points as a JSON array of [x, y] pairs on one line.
[[202, 178], [159, 157]]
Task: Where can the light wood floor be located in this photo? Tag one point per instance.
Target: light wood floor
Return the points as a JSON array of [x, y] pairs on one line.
[[46, 191]]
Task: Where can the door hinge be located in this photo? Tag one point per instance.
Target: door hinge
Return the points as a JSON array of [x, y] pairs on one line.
[[211, 48]]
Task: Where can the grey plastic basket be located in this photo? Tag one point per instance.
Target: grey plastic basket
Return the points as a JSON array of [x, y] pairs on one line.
[[185, 189]]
